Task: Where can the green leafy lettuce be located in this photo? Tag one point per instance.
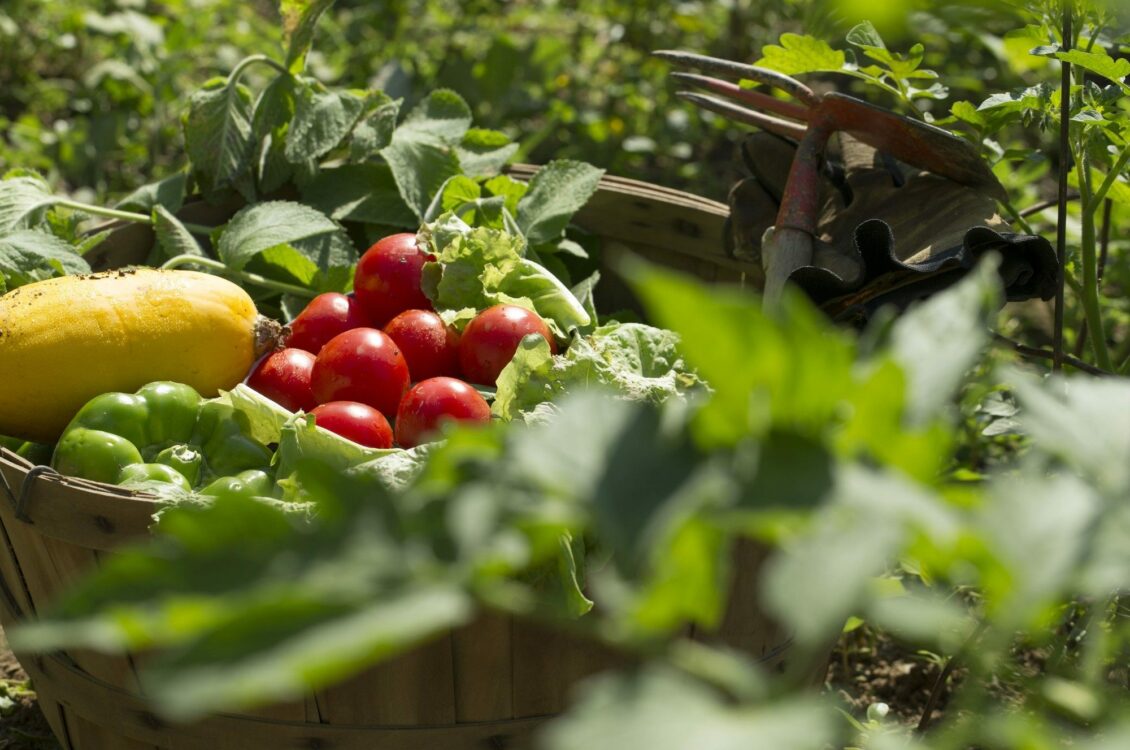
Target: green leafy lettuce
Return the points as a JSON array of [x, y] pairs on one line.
[[638, 361], [476, 268]]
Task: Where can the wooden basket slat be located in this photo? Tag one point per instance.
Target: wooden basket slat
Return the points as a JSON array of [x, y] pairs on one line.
[[481, 669], [86, 733], [86, 697], [413, 688]]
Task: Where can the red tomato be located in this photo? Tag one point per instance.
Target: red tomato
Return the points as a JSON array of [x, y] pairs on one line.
[[324, 317], [432, 402], [387, 279], [358, 422], [431, 348], [284, 377], [490, 340], [361, 365]]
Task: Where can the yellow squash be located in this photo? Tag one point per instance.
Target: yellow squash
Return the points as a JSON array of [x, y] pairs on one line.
[[65, 340]]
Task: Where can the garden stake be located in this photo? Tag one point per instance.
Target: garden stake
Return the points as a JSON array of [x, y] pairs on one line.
[[812, 121]]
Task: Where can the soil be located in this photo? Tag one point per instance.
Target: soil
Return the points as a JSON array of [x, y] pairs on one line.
[[865, 668]]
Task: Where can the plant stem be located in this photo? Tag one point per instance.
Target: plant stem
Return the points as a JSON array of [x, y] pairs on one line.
[[1064, 160], [247, 62], [113, 213], [1033, 352], [247, 276]]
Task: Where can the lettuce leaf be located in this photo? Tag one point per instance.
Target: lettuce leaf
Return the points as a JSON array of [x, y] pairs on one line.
[[638, 361], [480, 267]]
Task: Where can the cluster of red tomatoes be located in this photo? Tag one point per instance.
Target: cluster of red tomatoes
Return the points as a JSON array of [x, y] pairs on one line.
[[358, 361]]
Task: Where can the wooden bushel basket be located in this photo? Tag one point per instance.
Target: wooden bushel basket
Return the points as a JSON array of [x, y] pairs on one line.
[[482, 686]]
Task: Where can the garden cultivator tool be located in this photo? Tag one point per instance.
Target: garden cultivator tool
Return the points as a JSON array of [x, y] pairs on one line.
[[954, 178]]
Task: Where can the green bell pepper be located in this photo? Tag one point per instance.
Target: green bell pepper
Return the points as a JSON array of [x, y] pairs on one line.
[[163, 433]]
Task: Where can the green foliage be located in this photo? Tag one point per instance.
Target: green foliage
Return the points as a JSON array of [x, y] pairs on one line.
[[903, 477]]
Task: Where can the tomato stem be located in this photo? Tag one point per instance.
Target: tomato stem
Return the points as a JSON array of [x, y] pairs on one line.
[[223, 269]]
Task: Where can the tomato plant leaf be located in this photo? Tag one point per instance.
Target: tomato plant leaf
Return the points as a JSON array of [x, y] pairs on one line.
[[218, 136], [28, 255], [312, 234], [797, 54], [1099, 63]]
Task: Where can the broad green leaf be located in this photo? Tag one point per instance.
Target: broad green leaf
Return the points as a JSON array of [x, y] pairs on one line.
[[456, 193], [797, 54], [300, 17], [792, 472], [420, 168], [1034, 98], [422, 154], [218, 135], [1099, 63], [23, 196], [271, 123], [822, 576], [1039, 528], [29, 255], [923, 617], [374, 132], [169, 193], [660, 709], [556, 192], [119, 71], [865, 36], [359, 192], [967, 112], [938, 340], [172, 238], [443, 116], [311, 644], [1083, 422], [315, 236], [794, 372], [483, 153], [509, 189], [323, 118]]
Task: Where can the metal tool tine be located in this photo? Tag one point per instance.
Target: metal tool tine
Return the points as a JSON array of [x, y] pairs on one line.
[[747, 96], [730, 69], [786, 128]]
